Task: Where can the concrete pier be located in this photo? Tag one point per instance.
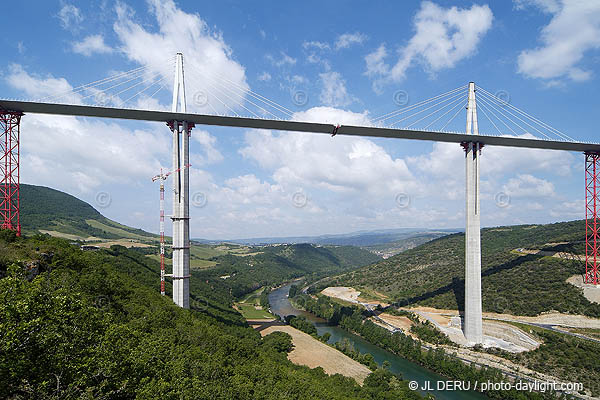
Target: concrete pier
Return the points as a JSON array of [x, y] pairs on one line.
[[181, 194], [472, 327]]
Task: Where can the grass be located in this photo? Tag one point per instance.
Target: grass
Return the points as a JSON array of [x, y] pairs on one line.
[[254, 297], [116, 230], [368, 294], [590, 332], [249, 311], [203, 251], [65, 235]]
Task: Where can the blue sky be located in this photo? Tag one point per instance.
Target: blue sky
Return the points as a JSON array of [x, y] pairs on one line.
[[347, 61]]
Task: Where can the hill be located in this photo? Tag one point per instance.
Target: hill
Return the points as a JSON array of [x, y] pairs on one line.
[[46, 210], [271, 265], [513, 281], [360, 238], [81, 324]]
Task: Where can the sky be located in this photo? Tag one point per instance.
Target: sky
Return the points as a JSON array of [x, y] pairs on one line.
[[334, 62]]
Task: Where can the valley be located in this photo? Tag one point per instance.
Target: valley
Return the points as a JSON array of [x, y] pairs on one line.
[[404, 309]]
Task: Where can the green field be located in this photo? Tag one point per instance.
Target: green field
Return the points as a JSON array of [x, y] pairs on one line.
[[117, 229], [249, 311], [201, 254], [250, 307]]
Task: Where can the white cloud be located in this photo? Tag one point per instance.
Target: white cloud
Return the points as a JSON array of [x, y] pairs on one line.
[[346, 40], [526, 185], [80, 155], [36, 87], [70, 17], [282, 60], [264, 76], [444, 36], [334, 92], [330, 115], [573, 31], [91, 45], [207, 58], [340, 164], [315, 44], [375, 62], [211, 154], [550, 6], [444, 160]]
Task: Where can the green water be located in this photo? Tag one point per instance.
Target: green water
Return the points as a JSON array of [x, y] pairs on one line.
[[410, 371]]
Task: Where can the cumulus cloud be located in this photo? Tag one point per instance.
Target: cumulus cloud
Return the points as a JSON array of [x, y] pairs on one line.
[[80, 155], [526, 185], [207, 58], [70, 17], [208, 142], [38, 87], [562, 46], [91, 45], [334, 92], [282, 60], [264, 76], [315, 44], [443, 37], [339, 165], [346, 40]]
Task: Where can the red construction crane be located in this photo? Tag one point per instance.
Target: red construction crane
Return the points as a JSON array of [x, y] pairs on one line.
[[163, 177]]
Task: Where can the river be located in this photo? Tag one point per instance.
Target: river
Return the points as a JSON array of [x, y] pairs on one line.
[[410, 371]]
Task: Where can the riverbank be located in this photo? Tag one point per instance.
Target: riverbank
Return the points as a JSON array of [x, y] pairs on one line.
[[312, 353], [409, 370]]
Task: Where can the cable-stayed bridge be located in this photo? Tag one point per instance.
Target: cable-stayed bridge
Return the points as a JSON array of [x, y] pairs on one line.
[[219, 101]]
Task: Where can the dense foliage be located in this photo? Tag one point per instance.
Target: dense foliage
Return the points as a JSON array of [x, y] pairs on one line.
[[300, 323], [571, 358], [353, 320], [433, 273], [271, 265], [77, 324]]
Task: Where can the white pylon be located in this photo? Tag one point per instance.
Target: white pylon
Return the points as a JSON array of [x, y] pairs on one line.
[[472, 327], [181, 225]]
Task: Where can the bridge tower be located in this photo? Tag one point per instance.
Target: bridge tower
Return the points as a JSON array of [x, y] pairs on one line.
[[592, 239], [10, 127], [472, 326], [181, 192]]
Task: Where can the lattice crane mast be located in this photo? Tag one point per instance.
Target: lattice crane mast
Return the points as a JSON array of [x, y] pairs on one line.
[[163, 177]]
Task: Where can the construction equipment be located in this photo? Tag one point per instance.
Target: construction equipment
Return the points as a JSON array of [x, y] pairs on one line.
[[163, 177]]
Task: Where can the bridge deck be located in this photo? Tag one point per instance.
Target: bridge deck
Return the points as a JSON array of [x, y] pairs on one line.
[[201, 119]]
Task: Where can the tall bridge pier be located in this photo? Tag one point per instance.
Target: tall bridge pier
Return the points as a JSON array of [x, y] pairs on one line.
[[181, 192], [472, 321]]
